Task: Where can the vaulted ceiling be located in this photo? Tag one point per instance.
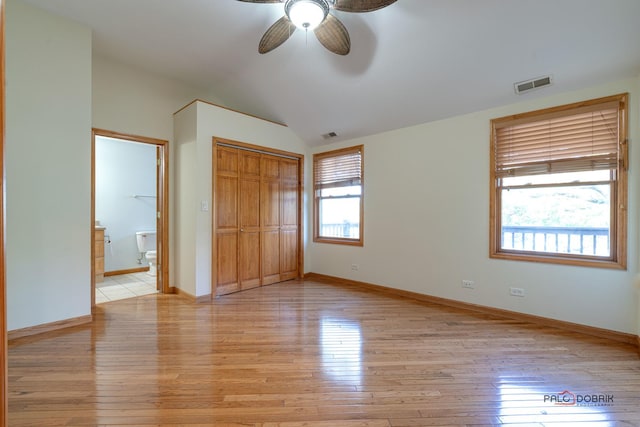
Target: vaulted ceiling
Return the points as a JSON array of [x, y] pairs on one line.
[[412, 62]]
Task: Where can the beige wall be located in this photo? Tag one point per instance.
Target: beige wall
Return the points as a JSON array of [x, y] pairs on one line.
[[185, 200], [48, 129], [194, 170], [424, 232], [137, 102], [427, 218]]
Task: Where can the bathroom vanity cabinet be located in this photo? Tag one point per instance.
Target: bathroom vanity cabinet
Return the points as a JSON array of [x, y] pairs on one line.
[[99, 254]]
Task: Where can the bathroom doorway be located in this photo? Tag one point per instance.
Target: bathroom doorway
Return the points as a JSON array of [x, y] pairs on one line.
[[129, 214]]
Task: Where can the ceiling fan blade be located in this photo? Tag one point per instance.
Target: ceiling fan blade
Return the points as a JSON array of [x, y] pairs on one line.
[[333, 35], [261, 1], [361, 5], [277, 34]]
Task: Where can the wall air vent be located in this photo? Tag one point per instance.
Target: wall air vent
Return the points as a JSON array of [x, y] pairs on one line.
[[532, 84], [329, 135]]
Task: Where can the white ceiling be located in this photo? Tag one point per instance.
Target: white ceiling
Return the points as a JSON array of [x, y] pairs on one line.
[[412, 62]]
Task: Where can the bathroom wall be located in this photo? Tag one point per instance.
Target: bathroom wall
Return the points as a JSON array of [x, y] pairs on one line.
[[124, 169]]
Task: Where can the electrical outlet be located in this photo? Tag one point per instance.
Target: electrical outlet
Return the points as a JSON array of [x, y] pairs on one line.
[[516, 292], [355, 267], [469, 284]]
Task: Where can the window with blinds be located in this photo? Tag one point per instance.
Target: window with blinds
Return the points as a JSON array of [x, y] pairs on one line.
[[559, 185], [338, 196]]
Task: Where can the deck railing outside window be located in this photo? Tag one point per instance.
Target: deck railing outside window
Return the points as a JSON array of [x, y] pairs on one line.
[[570, 240], [344, 230]]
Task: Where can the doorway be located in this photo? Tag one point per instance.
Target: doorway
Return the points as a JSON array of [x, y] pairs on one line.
[[129, 211]]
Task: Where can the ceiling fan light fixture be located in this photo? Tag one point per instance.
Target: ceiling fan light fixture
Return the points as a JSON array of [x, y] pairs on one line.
[[307, 14]]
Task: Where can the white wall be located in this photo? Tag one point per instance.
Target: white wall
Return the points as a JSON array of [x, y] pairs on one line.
[[425, 238], [48, 134], [133, 101], [427, 216], [186, 205], [124, 169], [56, 91], [195, 176]]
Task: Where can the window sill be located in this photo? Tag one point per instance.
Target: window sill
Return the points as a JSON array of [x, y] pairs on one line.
[[559, 259], [338, 241]]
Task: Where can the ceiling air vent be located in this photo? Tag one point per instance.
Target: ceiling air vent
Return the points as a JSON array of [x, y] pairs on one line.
[[329, 135], [528, 85]]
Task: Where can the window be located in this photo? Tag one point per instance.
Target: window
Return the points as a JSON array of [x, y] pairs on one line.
[[338, 196], [559, 184]]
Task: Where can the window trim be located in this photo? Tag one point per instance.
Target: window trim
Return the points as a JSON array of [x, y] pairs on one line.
[[316, 199], [618, 225]]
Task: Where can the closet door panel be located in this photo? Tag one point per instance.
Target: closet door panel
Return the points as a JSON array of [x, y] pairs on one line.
[[270, 257], [226, 203], [289, 220], [270, 217], [270, 204], [226, 160], [227, 263], [270, 167], [249, 259], [270, 232], [226, 220], [289, 198], [249, 256], [250, 165], [288, 254], [249, 204]]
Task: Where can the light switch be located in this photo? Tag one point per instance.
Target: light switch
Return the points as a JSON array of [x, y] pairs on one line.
[[204, 206]]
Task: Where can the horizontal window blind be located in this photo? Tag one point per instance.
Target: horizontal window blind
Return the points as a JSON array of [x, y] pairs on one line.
[[578, 139], [341, 168]]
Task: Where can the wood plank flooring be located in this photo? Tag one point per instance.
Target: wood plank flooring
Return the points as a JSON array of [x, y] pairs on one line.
[[311, 354]]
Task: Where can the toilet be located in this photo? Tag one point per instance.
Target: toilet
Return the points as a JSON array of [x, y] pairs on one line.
[[146, 241]]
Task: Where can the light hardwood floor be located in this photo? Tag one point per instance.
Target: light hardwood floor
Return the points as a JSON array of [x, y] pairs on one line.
[[312, 354]]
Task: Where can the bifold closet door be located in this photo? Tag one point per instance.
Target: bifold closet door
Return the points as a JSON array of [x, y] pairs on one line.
[[289, 190], [227, 220], [249, 213], [279, 219], [256, 197], [270, 219]]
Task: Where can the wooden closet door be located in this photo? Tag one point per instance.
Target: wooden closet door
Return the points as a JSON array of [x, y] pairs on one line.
[[289, 186], [270, 213], [257, 201], [226, 208], [249, 256]]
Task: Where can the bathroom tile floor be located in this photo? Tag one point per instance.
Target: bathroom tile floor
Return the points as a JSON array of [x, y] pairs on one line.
[[125, 286]]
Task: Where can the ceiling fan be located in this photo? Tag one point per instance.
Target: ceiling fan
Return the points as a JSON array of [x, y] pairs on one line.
[[315, 15]]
